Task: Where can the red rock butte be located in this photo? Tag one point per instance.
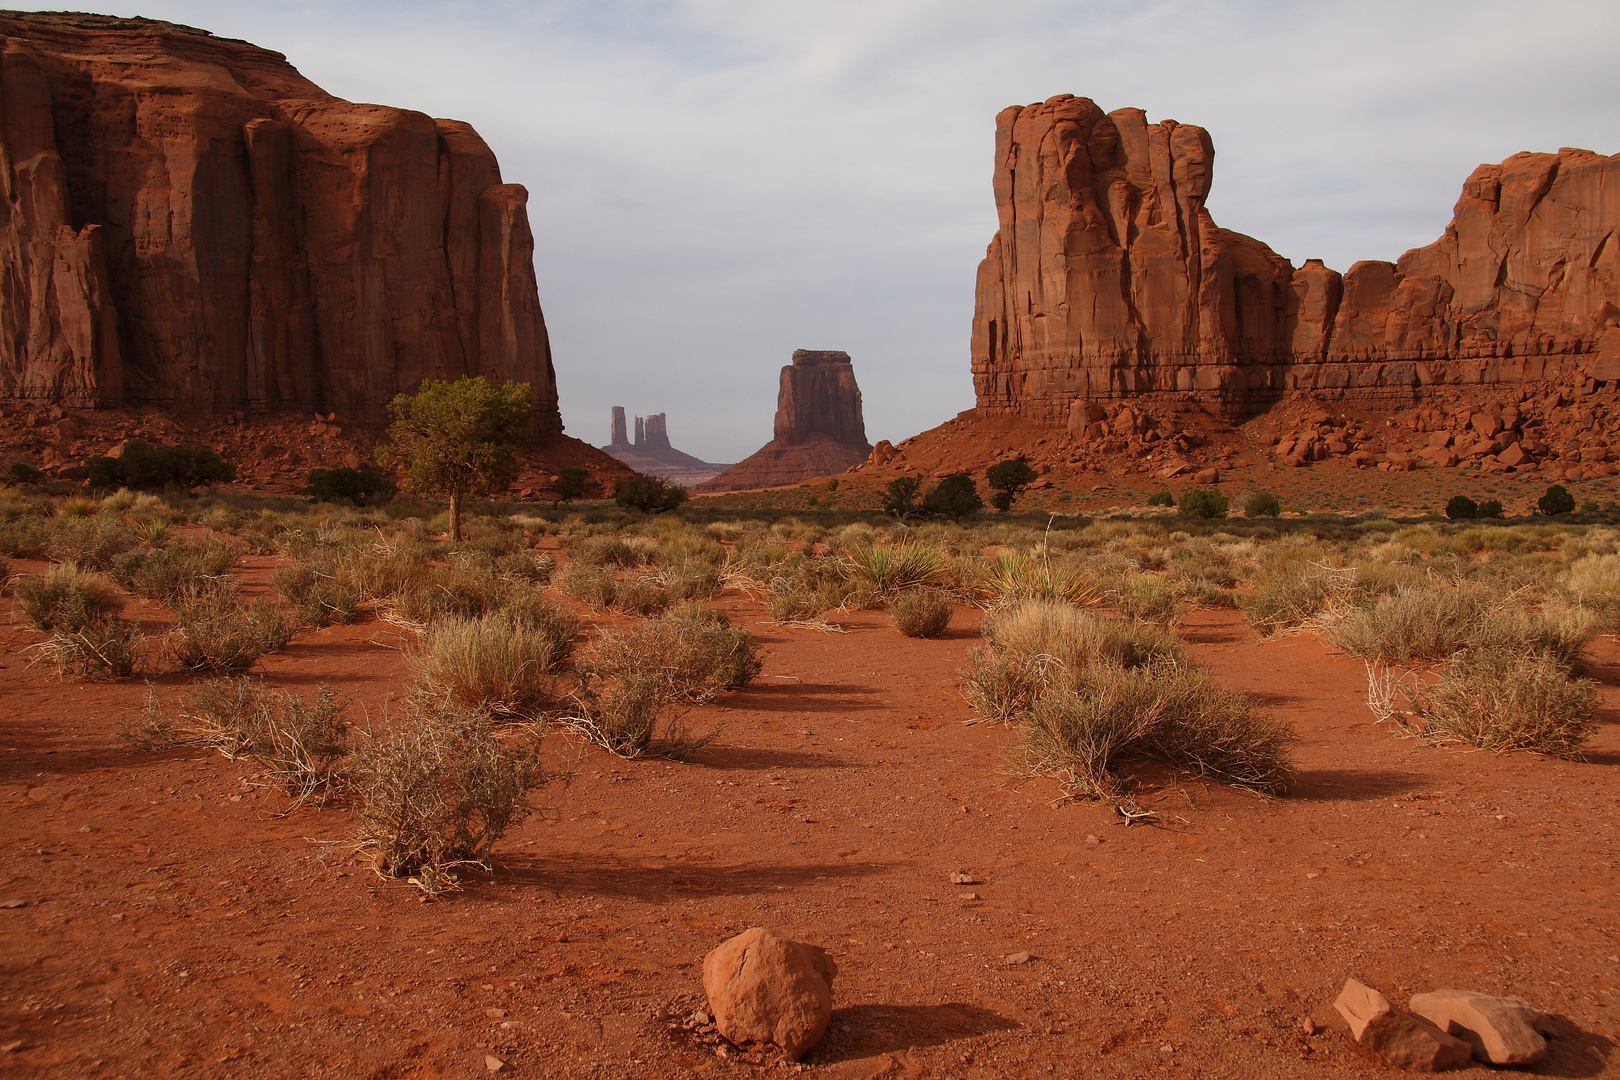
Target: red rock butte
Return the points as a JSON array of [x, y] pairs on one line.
[[819, 427], [1108, 279], [191, 224]]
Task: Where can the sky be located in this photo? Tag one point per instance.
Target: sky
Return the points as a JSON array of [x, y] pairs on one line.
[[714, 183]]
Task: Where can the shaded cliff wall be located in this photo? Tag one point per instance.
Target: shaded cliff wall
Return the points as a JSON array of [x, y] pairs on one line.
[[191, 223]]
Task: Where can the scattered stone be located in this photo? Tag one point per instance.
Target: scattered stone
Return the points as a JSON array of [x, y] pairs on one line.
[[1400, 1038], [11, 1047], [1092, 838], [13, 903], [959, 877], [1498, 1030], [1018, 959], [764, 988], [494, 1064]]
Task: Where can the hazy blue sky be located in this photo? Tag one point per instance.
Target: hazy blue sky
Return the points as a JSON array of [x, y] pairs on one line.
[[714, 183]]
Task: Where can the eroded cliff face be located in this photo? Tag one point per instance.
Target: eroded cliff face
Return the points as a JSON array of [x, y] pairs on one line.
[[1108, 278], [191, 223]]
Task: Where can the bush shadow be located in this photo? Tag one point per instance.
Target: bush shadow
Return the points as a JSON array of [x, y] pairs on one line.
[[862, 1031], [1350, 785], [803, 697], [650, 882], [737, 757]]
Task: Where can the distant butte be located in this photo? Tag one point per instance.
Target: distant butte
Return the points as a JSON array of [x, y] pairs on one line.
[[652, 454], [819, 427]]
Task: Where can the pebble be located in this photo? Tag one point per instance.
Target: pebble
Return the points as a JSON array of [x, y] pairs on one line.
[[1018, 959], [1090, 839], [494, 1064], [959, 877], [13, 903]]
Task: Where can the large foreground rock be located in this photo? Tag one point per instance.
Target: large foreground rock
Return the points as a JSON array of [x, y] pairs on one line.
[[819, 428], [766, 989], [1500, 1030], [1400, 1038], [1108, 278], [191, 223]]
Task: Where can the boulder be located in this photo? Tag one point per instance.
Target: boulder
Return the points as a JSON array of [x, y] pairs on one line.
[[1400, 1038], [763, 988], [1207, 476], [1498, 1030]]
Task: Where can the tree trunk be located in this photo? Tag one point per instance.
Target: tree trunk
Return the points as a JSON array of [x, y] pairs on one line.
[[455, 515]]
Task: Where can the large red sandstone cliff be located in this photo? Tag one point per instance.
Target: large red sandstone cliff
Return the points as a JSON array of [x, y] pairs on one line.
[[188, 222], [1108, 278], [819, 430]]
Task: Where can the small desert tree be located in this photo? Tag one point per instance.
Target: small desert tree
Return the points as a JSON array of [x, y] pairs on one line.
[[1008, 479], [572, 483], [458, 437], [955, 497], [1556, 501], [900, 496]]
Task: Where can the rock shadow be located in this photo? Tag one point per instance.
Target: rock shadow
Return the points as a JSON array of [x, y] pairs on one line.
[[1350, 785], [652, 882], [1228, 634], [862, 1031], [1575, 1051], [738, 757]]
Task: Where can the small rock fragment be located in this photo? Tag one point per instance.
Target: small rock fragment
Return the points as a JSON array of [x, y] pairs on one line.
[[11, 1047], [494, 1064], [1018, 959], [1091, 839], [959, 877], [13, 903], [1499, 1030]]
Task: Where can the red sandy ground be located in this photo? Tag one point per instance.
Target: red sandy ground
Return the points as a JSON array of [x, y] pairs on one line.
[[175, 923]]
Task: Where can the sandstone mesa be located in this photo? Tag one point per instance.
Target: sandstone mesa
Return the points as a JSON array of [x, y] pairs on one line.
[[651, 453], [191, 224]]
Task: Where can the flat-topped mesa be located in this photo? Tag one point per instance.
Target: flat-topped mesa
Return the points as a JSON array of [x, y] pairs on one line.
[[192, 224], [652, 454], [819, 427], [1108, 278], [651, 432]]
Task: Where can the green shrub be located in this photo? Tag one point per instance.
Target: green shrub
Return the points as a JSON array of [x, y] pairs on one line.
[[66, 599], [921, 613], [1016, 575], [1008, 479], [362, 487], [1262, 504], [649, 494], [900, 496], [1203, 503], [1557, 500], [1490, 508], [1462, 508], [890, 568], [143, 467], [572, 483], [1161, 498], [955, 497], [220, 633], [20, 472], [437, 789]]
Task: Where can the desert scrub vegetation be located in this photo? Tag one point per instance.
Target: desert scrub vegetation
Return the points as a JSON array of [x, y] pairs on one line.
[[503, 663], [887, 569], [637, 684], [299, 744], [66, 598], [217, 631], [436, 788], [1014, 576], [1434, 620], [921, 613]]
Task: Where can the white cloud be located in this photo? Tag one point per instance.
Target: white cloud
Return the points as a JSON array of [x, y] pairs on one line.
[[716, 182]]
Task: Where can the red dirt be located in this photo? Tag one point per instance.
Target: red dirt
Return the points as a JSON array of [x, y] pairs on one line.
[[175, 925]]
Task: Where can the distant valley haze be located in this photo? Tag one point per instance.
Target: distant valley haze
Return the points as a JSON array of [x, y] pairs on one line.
[[715, 184]]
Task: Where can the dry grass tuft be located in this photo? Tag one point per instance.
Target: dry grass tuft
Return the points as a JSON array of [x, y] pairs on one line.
[[1016, 576], [502, 663], [921, 613], [218, 632], [66, 598]]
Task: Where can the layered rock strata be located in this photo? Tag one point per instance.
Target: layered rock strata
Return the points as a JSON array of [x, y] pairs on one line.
[[651, 453], [191, 223], [819, 427], [1108, 278]]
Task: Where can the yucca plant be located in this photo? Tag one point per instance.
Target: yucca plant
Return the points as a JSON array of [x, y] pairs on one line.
[[1016, 575], [892, 568]]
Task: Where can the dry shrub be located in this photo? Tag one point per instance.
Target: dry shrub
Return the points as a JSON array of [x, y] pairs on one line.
[[796, 605], [458, 591], [605, 551], [525, 566], [1150, 598], [646, 677], [1593, 583], [1017, 575], [894, 567], [66, 598], [1293, 592], [691, 579], [639, 596], [167, 573], [298, 743], [502, 663], [1504, 700], [1031, 644], [1433, 621], [24, 536], [219, 632], [921, 613], [1105, 715], [590, 585], [92, 541], [438, 788], [321, 597], [108, 648]]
